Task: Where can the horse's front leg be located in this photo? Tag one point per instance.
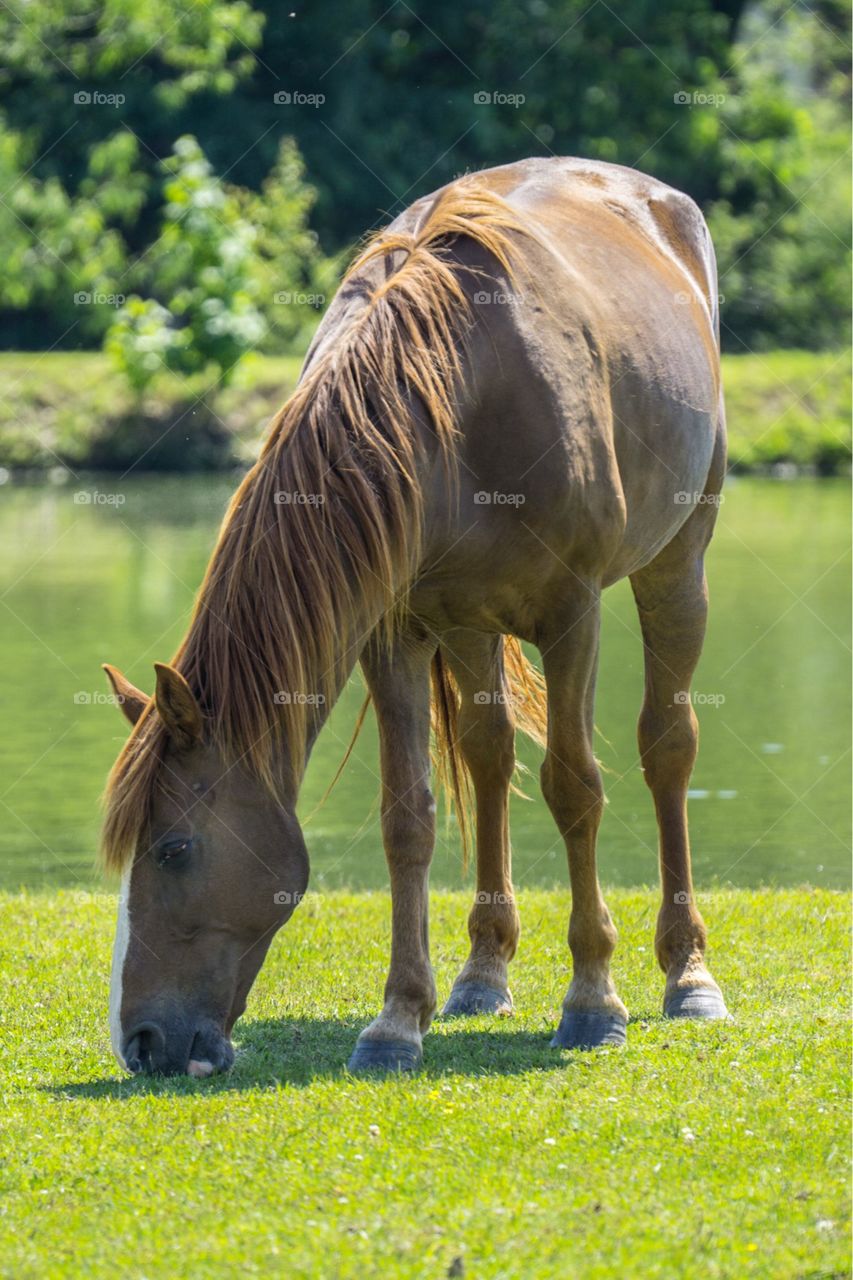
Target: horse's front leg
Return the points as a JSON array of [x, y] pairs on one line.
[[399, 683]]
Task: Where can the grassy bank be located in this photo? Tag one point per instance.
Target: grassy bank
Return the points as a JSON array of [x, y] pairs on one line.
[[717, 1150], [72, 409]]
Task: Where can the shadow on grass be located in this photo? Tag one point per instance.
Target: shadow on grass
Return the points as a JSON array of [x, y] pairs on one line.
[[299, 1051]]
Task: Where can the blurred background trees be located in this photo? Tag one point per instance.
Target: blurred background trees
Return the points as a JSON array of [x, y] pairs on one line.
[[153, 158], [207, 285]]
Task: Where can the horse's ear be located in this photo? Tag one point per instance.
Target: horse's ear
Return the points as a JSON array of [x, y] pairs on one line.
[[131, 700], [177, 706]]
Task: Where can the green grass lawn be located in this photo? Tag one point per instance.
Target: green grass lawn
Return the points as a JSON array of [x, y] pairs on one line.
[[72, 408], [699, 1151]]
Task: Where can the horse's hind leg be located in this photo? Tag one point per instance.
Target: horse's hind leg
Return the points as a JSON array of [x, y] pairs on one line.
[[487, 742], [399, 683], [593, 1014], [672, 603]]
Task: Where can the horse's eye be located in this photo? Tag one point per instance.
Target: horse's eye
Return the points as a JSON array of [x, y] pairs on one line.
[[173, 852]]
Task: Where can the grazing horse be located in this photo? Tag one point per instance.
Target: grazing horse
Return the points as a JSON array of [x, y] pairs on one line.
[[512, 402]]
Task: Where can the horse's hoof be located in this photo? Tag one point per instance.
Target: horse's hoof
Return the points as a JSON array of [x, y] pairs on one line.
[[469, 998], [579, 1030], [387, 1056], [695, 1002]]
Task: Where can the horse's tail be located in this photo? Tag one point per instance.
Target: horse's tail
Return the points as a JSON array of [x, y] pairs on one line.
[[526, 698]]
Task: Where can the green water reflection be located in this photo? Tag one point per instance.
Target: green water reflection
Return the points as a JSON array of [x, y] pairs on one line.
[[83, 583]]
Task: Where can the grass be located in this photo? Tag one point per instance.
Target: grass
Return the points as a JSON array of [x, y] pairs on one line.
[[700, 1150], [788, 407], [71, 408]]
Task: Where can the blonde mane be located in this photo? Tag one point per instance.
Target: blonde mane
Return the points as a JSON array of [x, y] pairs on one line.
[[289, 591]]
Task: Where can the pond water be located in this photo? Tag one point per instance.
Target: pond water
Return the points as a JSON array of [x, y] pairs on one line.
[[112, 579]]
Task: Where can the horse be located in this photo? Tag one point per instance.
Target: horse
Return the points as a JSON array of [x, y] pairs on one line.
[[512, 402]]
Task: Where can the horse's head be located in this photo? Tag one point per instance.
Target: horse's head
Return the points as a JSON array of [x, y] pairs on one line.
[[218, 867]]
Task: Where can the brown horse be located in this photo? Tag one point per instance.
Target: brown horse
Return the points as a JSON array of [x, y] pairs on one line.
[[512, 402]]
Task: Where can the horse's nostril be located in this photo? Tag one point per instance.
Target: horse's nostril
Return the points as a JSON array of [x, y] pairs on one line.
[[135, 1056], [140, 1046]]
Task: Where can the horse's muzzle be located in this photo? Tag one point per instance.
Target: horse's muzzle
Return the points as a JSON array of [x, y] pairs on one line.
[[150, 1049]]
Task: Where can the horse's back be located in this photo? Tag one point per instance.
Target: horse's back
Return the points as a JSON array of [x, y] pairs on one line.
[[604, 373], [588, 404]]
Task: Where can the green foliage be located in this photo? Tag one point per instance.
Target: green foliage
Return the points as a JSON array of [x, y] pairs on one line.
[[199, 267], [782, 223], [717, 1150], [404, 109], [227, 266], [81, 85], [65, 257], [199, 46], [749, 115], [290, 277]]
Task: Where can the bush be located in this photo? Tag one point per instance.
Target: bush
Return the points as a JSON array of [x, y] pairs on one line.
[[202, 312], [229, 268]]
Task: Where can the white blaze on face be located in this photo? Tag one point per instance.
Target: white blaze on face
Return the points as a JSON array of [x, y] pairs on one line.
[[119, 954]]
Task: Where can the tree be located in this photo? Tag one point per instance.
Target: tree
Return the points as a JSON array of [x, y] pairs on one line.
[[781, 222], [742, 107]]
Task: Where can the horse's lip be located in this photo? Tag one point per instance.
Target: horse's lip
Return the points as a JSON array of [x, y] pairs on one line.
[[200, 1068], [205, 1060]]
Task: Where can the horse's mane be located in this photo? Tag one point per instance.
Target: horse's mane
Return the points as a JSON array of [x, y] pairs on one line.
[[293, 578]]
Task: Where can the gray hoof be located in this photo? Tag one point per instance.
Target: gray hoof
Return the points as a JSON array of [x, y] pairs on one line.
[[389, 1056], [468, 998], [695, 1002], [589, 1030]]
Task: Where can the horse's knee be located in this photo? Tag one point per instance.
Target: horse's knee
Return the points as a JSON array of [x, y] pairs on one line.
[[668, 744], [408, 825], [572, 790]]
